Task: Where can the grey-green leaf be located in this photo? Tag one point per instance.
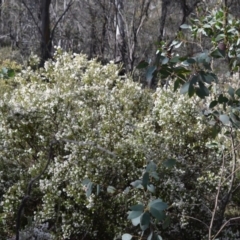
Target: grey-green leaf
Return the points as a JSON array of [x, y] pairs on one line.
[[138, 207], [126, 236], [185, 26], [145, 179], [134, 214], [224, 119], [169, 163], [111, 189], [151, 167], [151, 188], [145, 220], [184, 88], [89, 189]]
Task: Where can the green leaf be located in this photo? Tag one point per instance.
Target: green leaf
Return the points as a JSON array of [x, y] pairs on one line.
[[207, 26], [176, 85], [151, 167], [203, 89], [126, 236], [156, 208], [231, 91], [185, 26], [151, 188], [136, 183], [149, 73], [89, 189], [184, 89], [138, 207], [98, 189], [207, 77], [11, 73], [142, 64], [145, 179], [234, 118], [238, 92], [159, 215], [213, 104], [191, 60], [126, 190], [136, 221], [202, 57], [145, 220], [169, 163], [175, 60], [219, 37], [191, 89], [218, 53], [134, 214], [178, 45], [224, 119], [165, 71], [150, 236], [222, 99], [154, 175], [165, 60], [85, 181], [111, 189], [4, 71], [154, 236]]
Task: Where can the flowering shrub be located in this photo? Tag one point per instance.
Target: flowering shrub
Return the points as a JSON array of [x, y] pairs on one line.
[[106, 129]]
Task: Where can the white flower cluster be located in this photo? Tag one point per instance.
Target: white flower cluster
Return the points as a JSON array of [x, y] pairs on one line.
[[105, 129]]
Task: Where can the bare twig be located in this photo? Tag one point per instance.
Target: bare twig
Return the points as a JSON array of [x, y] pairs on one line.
[[227, 198], [196, 219], [224, 225], [60, 18], [216, 200], [34, 20]]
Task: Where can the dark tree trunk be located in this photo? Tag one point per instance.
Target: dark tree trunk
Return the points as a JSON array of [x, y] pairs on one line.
[[120, 46], [46, 42]]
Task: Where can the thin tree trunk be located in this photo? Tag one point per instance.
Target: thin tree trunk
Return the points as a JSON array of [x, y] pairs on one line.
[[162, 20], [46, 43], [120, 44]]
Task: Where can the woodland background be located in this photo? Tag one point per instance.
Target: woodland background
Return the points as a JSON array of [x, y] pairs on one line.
[[97, 141], [118, 30]]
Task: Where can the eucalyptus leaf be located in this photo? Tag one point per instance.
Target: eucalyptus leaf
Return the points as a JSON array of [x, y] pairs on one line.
[[126, 236], [169, 163], [138, 207], [98, 189], [151, 167], [145, 179], [136, 221], [134, 214], [213, 104], [224, 119], [89, 189], [111, 189], [145, 220], [142, 64], [185, 26], [136, 183], [184, 89], [151, 188]]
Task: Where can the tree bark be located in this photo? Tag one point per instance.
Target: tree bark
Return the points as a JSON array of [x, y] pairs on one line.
[[120, 44], [46, 43]]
